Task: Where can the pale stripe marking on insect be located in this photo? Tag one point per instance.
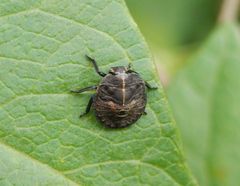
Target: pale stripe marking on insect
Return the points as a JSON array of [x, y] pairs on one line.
[[123, 90]]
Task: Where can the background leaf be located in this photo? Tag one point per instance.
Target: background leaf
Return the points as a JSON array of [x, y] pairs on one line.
[[42, 48], [169, 24], [174, 29], [205, 97]]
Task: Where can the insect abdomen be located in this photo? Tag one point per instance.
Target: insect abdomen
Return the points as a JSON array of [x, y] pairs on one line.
[[111, 111], [117, 117]]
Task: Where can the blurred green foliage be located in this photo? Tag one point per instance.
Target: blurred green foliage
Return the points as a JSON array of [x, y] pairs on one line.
[[174, 29], [174, 22], [205, 100]]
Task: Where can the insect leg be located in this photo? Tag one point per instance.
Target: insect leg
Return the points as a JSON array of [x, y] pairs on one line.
[[150, 86], [94, 87], [90, 102], [95, 66], [129, 70]]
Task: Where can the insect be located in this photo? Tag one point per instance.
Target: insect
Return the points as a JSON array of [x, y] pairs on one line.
[[120, 98]]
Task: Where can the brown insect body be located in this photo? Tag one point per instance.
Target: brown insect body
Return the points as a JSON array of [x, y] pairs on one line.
[[120, 99]]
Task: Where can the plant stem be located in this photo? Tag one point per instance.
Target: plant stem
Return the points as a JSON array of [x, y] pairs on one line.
[[229, 11]]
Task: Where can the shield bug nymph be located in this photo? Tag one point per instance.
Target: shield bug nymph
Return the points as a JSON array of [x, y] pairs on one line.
[[120, 98]]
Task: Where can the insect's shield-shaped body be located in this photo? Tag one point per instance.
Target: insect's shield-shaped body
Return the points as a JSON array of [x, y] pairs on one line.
[[120, 99]]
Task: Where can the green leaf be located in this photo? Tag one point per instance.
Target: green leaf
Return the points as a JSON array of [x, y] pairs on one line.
[[42, 56], [205, 97], [16, 166]]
